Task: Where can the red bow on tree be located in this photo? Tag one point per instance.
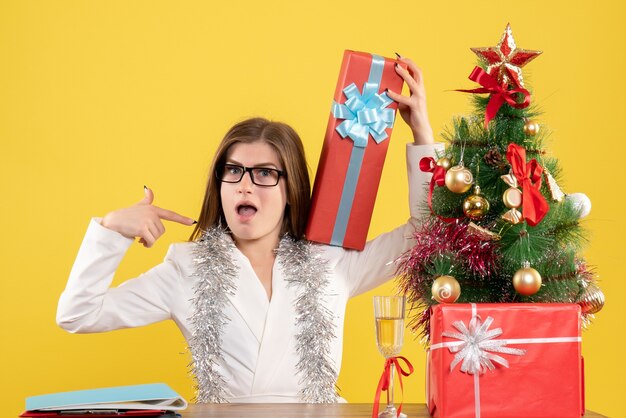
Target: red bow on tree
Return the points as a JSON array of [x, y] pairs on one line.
[[534, 205], [499, 93], [385, 379]]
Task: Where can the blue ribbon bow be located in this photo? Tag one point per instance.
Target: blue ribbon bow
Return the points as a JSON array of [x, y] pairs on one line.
[[365, 114]]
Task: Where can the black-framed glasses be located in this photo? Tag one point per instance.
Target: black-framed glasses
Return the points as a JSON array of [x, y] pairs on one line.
[[261, 176]]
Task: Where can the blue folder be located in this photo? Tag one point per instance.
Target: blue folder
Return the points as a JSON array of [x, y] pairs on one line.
[[151, 396]]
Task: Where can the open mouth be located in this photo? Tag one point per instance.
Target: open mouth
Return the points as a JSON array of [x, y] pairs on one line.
[[246, 209]]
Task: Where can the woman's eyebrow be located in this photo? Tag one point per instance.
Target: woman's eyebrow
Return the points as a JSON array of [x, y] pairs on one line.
[[231, 161]]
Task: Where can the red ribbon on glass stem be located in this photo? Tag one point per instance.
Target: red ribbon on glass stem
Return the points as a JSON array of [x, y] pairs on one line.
[[385, 381], [528, 174], [499, 93], [429, 165]]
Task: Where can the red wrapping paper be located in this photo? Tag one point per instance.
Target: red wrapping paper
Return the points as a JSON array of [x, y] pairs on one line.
[[335, 155], [547, 381]]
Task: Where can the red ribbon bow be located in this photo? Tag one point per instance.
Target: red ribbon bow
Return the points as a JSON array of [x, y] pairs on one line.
[[429, 165], [385, 380], [499, 93], [534, 205]]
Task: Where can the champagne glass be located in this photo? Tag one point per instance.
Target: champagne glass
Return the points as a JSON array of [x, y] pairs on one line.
[[389, 315]]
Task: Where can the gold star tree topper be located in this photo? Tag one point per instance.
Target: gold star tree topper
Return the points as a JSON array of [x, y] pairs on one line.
[[505, 60]]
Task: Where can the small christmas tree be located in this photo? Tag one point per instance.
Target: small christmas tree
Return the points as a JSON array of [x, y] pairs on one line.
[[500, 229]]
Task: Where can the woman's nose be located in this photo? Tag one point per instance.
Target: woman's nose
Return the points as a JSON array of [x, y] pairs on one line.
[[245, 185]]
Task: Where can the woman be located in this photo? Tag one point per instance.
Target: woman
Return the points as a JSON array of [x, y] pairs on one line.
[[261, 308]]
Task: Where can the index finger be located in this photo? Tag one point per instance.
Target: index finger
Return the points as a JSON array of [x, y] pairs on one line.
[[408, 79], [170, 215], [414, 70]]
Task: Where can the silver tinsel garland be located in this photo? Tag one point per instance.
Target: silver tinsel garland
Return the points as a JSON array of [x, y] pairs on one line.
[[216, 275], [305, 268]]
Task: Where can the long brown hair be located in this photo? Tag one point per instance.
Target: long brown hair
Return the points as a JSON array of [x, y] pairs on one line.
[[287, 144]]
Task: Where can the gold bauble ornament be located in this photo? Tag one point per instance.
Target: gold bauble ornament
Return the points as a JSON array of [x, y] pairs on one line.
[[475, 206], [591, 300], [446, 289], [459, 179], [531, 128], [527, 281], [444, 163], [512, 198]]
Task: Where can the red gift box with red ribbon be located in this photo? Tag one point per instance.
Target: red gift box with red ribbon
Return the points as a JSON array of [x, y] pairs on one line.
[[355, 145], [505, 360]]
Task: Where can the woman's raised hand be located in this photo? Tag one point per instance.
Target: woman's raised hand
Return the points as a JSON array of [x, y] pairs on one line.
[[413, 108], [143, 220]]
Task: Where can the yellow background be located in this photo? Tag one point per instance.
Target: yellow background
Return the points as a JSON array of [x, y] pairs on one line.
[[98, 98]]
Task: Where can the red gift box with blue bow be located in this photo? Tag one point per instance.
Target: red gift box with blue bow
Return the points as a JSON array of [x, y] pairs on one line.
[[355, 145]]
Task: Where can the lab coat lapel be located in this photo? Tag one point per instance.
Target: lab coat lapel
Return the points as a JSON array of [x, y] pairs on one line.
[[250, 299], [278, 338]]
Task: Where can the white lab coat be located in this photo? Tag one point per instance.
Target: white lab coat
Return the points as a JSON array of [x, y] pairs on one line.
[[258, 342]]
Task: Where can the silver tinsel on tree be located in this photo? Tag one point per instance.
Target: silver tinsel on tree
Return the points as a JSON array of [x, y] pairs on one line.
[[216, 274]]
